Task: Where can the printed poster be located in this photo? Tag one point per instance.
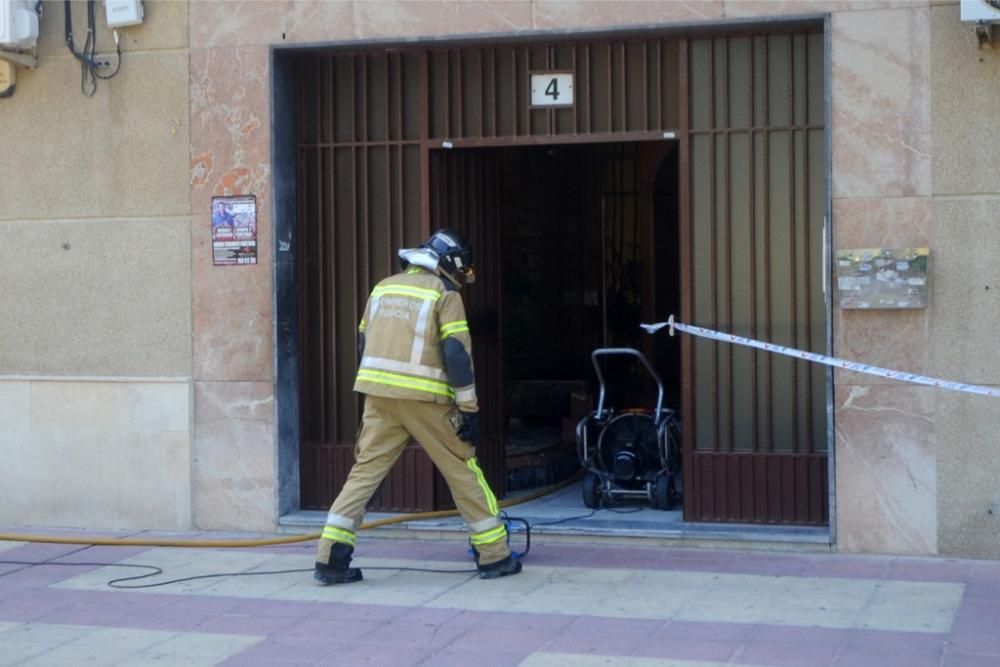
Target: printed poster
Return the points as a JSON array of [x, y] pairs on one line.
[[234, 230]]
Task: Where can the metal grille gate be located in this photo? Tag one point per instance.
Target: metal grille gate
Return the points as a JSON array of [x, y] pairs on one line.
[[745, 111], [756, 422]]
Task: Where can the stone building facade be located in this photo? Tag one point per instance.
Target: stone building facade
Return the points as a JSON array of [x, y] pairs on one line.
[[137, 380]]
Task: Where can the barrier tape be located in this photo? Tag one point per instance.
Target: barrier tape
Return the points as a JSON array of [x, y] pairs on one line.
[[820, 358]]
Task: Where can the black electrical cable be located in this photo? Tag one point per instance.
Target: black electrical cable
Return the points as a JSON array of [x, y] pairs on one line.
[[89, 64], [154, 570], [116, 583]]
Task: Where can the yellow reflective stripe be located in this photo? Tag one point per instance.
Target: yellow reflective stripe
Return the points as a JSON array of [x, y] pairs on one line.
[[489, 536], [338, 535], [408, 290], [362, 326], [452, 328], [491, 500], [404, 382], [420, 370]]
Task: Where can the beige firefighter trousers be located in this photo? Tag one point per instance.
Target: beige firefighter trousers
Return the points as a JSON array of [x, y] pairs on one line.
[[387, 425]]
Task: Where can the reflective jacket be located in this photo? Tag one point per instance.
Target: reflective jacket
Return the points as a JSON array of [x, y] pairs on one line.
[[415, 342]]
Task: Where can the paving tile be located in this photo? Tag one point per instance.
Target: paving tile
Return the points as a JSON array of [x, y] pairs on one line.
[[780, 654], [970, 622], [101, 646], [502, 635], [385, 654], [6, 568], [20, 652], [701, 562], [979, 607], [965, 660], [799, 635], [902, 642], [985, 572], [204, 604], [41, 632], [696, 630], [326, 650], [103, 554], [605, 636], [848, 568], [630, 559], [631, 606], [360, 612], [245, 661], [422, 628], [320, 626], [31, 603], [414, 550], [912, 606], [162, 619], [287, 608], [575, 660], [9, 545], [976, 642], [551, 623], [39, 551], [689, 649], [907, 569], [41, 575], [194, 646], [768, 563], [982, 590], [856, 656], [502, 632], [463, 657], [240, 624]]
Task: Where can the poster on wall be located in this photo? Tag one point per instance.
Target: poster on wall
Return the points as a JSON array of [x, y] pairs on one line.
[[234, 230]]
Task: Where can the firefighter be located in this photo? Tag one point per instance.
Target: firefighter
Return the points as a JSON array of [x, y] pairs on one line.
[[417, 377]]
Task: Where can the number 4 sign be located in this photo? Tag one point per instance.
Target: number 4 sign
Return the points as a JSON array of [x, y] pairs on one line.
[[552, 89]]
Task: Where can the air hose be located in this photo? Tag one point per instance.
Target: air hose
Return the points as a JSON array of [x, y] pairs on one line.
[[223, 544]]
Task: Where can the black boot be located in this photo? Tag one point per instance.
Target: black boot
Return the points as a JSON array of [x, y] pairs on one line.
[[502, 568], [338, 572]]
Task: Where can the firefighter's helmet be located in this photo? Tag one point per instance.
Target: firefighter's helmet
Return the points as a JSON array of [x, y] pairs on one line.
[[454, 255]]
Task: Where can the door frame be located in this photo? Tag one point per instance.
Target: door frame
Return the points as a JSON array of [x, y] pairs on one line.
[[284, 208]]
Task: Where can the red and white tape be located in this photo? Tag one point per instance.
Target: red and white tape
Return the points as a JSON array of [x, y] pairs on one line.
[[820, 358]]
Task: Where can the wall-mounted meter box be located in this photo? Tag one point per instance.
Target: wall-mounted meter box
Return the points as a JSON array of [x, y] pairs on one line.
[[974, 11], [122, 13], [874, 278], [18, 24]]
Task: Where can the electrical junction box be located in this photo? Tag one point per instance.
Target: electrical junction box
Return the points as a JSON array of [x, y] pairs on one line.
[[123, 13], [18, 24], [7, 78], [882, 278], [976, 11]]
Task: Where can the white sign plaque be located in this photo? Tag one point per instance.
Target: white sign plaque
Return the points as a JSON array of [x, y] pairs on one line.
[[552, 89]]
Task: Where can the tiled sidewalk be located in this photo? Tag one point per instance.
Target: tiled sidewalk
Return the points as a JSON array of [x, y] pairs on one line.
[[574, 604]]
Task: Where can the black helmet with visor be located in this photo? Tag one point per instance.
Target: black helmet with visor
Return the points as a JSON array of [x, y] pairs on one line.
[[454, 255]]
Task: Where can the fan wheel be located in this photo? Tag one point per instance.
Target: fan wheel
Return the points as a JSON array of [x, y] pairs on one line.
[[591, 490]]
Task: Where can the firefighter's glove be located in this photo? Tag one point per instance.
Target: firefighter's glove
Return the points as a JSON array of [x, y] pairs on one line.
[[469, 430]]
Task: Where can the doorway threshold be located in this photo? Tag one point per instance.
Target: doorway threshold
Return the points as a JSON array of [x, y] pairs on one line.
[[562, 516]]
